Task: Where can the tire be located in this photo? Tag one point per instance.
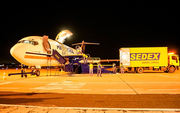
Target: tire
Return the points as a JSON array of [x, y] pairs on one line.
[[140, 70], [78, 70], [171, 69], [166, 71], [37, 73], [33, 72]]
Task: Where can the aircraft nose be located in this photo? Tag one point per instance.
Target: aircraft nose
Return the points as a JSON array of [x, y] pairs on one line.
[[18, 51]]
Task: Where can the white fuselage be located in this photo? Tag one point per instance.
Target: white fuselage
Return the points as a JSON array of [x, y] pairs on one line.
[[30, 51]]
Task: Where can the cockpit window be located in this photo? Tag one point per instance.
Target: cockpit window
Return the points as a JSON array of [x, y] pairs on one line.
[[28, 42]]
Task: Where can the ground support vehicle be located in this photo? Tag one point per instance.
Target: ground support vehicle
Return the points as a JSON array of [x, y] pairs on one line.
[[138, 59], [77, 64]]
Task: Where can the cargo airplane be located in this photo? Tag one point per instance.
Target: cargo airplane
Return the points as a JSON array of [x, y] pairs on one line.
[[35, 51]]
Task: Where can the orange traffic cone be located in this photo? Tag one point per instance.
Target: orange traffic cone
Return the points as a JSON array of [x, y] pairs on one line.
[[4, 76]]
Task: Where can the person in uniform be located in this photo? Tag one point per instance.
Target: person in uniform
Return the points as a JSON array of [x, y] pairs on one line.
[[79, 50], [91, 69], [86, 59], [122, 68], [22, 71], [114, 68], [99, 66]]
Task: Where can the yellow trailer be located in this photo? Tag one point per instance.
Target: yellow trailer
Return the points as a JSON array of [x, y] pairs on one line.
[[138, 59]]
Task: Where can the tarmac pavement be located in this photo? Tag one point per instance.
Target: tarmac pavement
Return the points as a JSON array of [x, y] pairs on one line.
[[129, 92]]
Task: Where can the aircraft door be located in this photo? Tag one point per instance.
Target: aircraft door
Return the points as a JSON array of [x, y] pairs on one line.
[[46, 44]]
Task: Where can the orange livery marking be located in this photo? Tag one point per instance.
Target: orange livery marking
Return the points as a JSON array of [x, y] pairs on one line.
[[38, 57]]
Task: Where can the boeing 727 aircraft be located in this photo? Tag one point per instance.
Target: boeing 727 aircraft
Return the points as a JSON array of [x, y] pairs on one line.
[[35, 51]]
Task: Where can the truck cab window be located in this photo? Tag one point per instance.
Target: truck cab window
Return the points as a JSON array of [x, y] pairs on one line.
[[175, 58]]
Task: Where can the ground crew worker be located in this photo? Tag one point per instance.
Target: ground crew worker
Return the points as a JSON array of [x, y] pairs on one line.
[[22, 71], [85, 58], [114, 68], [99, 66], [79, 50], [91, 69], [122, 68]]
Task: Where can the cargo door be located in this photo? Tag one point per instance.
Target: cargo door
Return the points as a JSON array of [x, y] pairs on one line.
[[125, 56]]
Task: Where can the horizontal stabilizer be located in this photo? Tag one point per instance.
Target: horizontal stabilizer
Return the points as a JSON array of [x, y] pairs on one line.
[[110, 60], [83, 44]]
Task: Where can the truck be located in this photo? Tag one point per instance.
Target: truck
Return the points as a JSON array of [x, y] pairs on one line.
[[138, 59]]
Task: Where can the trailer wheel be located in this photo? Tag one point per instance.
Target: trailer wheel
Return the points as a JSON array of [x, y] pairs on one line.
[[33, 72], [171, 69], [140, 70], [166, 71], [37, 73]]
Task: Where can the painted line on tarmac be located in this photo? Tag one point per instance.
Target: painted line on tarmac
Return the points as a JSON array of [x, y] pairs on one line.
[[119, 90], [96, 108], [5, 83], [9, 88], [154, 82], [128, 85], [167, 76], [161, 89], [46, 88], [79, 89]]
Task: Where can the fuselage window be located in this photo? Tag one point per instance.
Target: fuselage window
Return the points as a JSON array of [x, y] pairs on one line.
[[70, 50], [59, 47]]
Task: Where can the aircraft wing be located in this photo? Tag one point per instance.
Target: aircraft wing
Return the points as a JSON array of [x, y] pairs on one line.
[[110, 60], [86, 43]]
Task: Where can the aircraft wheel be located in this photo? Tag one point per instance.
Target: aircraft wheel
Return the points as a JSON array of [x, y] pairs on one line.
[[37, 72], [140, 70], [78, 70], [171, 69], [33, 72]]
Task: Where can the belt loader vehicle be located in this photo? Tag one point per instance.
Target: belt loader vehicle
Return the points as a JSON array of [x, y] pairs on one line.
[[138, 59]]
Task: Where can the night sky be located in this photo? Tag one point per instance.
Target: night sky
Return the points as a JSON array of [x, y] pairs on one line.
[[112, 24]]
